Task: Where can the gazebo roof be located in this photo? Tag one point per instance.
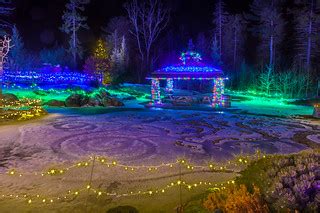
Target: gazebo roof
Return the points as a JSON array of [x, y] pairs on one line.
[[190, 67]]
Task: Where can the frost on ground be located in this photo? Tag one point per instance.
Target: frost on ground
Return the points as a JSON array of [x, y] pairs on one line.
[[151, 136], [133, 137]]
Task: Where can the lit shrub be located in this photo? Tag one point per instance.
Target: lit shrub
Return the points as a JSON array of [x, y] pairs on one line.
[[236, 199], [287, 183]]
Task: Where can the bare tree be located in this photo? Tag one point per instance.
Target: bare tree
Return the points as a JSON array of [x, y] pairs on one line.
[[4, 50], [148, 19], [73, 21]]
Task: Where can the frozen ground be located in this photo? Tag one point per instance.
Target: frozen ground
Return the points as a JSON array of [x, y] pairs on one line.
[[143, 135]]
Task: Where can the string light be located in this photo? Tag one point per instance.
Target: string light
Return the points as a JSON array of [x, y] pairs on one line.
[[155, 91], [232, 165]]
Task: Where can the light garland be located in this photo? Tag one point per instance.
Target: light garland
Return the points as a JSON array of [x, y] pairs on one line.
[[155, 91], [44, 77], [190, 56], [213, 167], [218, 92], [169, 86], [71, 194]]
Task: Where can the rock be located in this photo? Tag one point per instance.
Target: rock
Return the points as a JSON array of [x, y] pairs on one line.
[[77, 100], [111, 102], [316, 111], [93, 101], [10, 97], [123, 209], [55, 103]]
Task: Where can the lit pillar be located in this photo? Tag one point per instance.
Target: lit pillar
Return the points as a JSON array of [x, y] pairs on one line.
[[155, 91], [218, 92], [169, 87]]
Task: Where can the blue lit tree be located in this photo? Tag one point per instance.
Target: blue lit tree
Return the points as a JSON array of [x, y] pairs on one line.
[[73, 21]]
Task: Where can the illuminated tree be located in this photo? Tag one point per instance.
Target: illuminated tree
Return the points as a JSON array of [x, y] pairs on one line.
[[73, 21], [99, 63], [4, 50]]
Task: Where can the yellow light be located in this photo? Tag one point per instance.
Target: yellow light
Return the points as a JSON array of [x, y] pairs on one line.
[[76, 193], [44, 200], [179, 182], [150, 192], [51, 201], [29, 201], [162, 190], [189, 186], [99, 193], [88, 186], [114, 163]]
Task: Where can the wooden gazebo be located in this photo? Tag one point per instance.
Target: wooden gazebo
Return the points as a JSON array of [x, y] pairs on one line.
[[190, 68]]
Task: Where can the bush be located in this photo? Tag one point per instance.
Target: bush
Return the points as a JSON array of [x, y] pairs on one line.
[[236, 199], [288, 183]]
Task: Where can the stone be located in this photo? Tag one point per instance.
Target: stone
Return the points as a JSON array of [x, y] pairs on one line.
[[316, 111], [77, 100], [55, 103]]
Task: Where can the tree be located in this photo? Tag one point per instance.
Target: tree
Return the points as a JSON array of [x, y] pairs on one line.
[[202, 44], [119, 59], [268, 26], [307, 29], [234, 33], [219, 22], [73, 21], [17, 52], [4, 50], [215, 55], [99, 63], [148, 19], [54, 56], [6, 9]]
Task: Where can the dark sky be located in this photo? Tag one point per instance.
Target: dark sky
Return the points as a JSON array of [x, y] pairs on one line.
[[39, 20]]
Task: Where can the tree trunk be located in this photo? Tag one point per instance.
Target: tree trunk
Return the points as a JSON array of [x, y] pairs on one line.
[[235, 50]]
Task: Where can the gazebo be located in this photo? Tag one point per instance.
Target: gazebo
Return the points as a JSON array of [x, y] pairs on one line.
[[190, 68]]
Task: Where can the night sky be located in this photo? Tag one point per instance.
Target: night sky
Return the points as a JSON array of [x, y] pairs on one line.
[[38, 20]]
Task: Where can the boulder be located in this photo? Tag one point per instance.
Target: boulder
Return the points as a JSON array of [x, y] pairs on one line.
[[10, 97], [316, 111], [77, 100], [111, 102], [55, 103]]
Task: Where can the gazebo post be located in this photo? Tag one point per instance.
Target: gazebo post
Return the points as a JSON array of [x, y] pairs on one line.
[[218, 92], [169, 86], [155, 91]]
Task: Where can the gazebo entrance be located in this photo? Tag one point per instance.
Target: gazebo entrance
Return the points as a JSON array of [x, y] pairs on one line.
[[191, 68]]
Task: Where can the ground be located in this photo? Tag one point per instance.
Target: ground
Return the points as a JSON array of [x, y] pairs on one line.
[[137, 136]]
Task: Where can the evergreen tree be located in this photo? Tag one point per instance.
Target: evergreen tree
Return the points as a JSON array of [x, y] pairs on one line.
[[215, 54], [268, 26], [16, 54], [73, 21], [219, 21]]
